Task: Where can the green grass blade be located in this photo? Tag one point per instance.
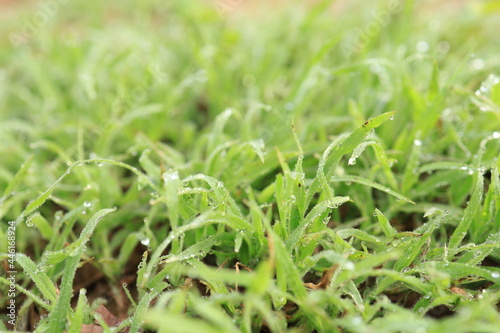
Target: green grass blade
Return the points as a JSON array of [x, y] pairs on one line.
[[57, 318], [367, 182], [41, 280], [343, 148], [386, 227], [316, 212], [18, 178], [140, 312], [469, 213], [40, 200]]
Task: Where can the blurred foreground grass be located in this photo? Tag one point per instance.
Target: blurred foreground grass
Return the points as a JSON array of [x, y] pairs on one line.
[[228, 166]]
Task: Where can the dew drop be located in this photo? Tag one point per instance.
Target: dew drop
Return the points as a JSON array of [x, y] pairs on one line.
[[486, 87], [349, 266], [478, 64], [145, 241], [422, 46], [495, 275], [170, 176], [443, 47], [496, 135], [356, 321], [87, 204], [417, 142]]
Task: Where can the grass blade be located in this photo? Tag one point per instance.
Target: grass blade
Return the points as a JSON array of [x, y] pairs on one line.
[[57, 318], [469, 213], [367, 182]]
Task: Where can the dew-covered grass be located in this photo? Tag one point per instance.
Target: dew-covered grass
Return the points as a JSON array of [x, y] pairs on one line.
[[231, 166]]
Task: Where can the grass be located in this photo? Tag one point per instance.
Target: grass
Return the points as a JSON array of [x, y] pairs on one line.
[[222, 167]]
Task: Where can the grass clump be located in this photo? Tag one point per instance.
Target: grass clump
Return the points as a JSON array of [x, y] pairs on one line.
[[191, 167]]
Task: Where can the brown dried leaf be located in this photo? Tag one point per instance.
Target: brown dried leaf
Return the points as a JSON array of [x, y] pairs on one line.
[[110, 320], [188, 283], [108, 317], [458, 291], [325, 279], [91, 329]]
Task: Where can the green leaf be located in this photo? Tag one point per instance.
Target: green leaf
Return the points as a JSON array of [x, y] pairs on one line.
[[469, 213], [40, 200], [367, 182], [344, 147], [287, 274], [151, 169], [41, 280], [212, 314], [460, 270], [57, 318], [386, 227], [316, 212], [360, 234], [81, 312], [42, 224], [19, 177], [140, 312]]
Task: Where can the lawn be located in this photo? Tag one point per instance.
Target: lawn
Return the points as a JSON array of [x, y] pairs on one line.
[[250, 166]]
